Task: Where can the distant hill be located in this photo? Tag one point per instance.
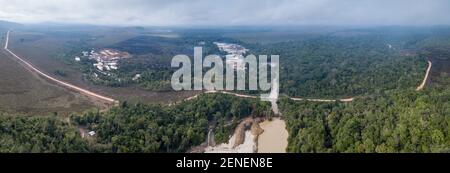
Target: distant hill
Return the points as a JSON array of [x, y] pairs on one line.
[[8, 25]]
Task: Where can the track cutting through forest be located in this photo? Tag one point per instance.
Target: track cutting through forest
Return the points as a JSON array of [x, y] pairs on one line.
[[254, 97], [62, 83], [420, 87], [425, 79]]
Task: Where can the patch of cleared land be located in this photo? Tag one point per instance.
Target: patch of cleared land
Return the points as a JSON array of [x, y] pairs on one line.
[[25, 92], [248, 146], [44, 50], [243, 140]]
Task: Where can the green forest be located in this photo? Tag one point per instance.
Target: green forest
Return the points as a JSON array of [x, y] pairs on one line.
[[392, 121], [350, 63], [131, 128]]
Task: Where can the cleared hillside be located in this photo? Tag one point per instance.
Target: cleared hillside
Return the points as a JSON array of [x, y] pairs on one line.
[[25, 92]]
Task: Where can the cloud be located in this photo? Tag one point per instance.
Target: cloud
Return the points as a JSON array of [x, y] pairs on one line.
[[229, 12]]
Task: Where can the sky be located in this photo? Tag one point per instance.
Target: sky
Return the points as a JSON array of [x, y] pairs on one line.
[[228, 12]]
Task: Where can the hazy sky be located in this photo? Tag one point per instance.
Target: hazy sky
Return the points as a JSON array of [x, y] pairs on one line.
[[229, 12]]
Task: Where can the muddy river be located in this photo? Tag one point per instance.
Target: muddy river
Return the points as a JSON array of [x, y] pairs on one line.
[[274, 139]]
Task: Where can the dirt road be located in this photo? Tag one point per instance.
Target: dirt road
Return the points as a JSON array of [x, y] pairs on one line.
[[254, 97], [324, 100], [422, 85], [62, 83]]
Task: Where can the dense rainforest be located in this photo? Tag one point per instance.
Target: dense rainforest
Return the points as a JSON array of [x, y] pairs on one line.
[[392, 121], [131, 128], [337, 67]]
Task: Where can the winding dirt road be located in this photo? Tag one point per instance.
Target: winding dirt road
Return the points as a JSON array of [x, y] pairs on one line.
[[254, 97], [62, 83], [324, 100], [422, 85]]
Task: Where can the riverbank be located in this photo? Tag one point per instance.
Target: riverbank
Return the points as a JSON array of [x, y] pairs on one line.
[[243, 140], [259, 135]]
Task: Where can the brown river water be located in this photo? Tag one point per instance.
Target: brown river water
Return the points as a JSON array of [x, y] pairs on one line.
[[274, 139]]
